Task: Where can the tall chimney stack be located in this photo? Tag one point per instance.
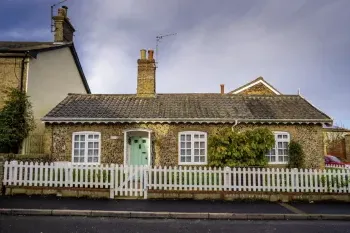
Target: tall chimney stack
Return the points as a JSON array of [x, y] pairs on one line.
[[64, 30], [222, 88], [146, 74]]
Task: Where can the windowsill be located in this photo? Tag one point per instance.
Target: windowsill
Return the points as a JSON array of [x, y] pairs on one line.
[[193, 164], [278, 163]]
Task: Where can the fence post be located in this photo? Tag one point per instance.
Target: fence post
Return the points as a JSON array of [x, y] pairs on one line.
[[145, 181], [111, 181], [227, 178]]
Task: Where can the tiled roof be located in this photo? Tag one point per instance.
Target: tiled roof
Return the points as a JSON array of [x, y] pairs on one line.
[[14, 46], [185, 108]]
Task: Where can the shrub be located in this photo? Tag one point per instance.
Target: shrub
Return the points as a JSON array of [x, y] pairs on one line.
[[248, 148], [16, 121], [296, 155]]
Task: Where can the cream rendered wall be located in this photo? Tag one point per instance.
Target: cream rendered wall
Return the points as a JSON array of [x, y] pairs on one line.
[[52, 75]]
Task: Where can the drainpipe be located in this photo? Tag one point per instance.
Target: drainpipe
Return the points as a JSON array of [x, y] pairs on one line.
[[22, 70], [236, 123]]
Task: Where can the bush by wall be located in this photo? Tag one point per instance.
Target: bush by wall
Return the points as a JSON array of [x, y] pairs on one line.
[[233, 148]]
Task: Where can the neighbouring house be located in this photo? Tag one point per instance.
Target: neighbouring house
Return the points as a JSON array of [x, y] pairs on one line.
[[150, 128], [46, 71], [337, 141]]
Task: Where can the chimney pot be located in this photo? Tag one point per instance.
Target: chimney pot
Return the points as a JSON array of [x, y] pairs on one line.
[[222, 88], [143, 53], [150, 54]]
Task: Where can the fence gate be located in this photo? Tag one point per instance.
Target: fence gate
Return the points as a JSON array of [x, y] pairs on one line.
[[131, 181]]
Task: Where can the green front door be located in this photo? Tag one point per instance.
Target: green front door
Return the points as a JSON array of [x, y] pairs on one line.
[[139, 150]]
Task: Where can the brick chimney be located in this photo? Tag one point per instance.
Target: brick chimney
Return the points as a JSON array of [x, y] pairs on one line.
[[146, 75], [222, 88], [64, 30]]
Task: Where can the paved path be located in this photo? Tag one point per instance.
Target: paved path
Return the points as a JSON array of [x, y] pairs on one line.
[[39, 202], [51, 202], [35, 224]]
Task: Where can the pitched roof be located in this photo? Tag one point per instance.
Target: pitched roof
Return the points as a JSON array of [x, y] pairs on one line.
[[210, 108], [253, 83], [20, 47]]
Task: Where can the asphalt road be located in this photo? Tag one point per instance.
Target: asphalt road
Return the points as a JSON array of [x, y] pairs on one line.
[[32, 224]]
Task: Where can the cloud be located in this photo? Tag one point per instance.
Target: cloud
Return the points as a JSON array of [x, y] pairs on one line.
[[292, 44], [26, 34]]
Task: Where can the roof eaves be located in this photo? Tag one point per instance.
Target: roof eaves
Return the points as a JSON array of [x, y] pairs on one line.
[[182, 120], [80, 69]]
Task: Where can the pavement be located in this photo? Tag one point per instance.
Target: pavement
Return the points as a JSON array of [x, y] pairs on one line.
[[167, 209], [35, 224]]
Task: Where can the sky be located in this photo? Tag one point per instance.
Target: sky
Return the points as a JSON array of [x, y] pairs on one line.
[[292, 44]]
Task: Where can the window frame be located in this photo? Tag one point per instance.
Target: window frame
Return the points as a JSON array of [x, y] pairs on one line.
[[192, 133], [276, 133], [86, 133]]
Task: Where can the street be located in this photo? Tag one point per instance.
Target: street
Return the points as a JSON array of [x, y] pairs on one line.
[[33, 224]]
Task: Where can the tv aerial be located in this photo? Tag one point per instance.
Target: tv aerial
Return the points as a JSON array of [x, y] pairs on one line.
[[159, 38], [52, 7]]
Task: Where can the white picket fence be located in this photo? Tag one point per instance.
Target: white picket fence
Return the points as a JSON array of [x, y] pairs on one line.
[[337, 166], [249, 179], [59, 175], [137, 180]]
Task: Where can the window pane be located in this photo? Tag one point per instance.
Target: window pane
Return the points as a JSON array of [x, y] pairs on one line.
[[202, 152], [182, 152], [188, 137], [285, 144], [182, 145], [90, 136], [96, 152], [90, 145], [76, 152], [90, 152], [280, 151], [82, 137], [95, 159], [196, 158], [76, 138], [285, 136], [82, 152], [188, 144], [273, 158], [188, 158], [202, 136], [182, 159], [182, 137], [273, 152], [279, 136], [76, 159], [188, 152], [96, 136], [196, 145], [196, 151], [285, 152], [76, 145], [202, 159], [279, 144], [89, 159], [82, 145], [268, 158], [202, 144], [286, 158], [196, 136], [95, 144], [81, 159]]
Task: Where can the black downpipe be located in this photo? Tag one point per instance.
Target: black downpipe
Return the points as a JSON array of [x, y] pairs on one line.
[[22, 71]]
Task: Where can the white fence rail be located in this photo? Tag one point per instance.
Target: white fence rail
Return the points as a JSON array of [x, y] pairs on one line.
[[59, 175], [137, 180]]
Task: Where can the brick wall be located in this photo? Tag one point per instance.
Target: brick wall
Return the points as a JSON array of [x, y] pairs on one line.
[[258, 89], [58, 140], [10, 75]]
